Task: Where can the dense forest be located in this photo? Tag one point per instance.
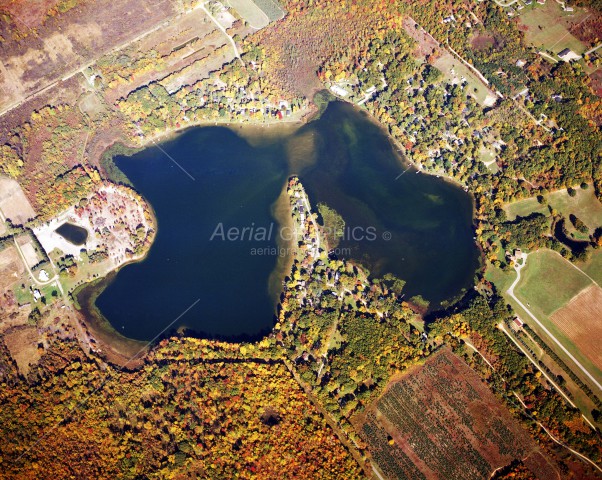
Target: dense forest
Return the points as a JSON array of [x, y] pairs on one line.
[[197, 409]]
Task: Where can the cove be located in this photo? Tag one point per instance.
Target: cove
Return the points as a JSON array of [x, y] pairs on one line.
[[423, 224], [209, 224]]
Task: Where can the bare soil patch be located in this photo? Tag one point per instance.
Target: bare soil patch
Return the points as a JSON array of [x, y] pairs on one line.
[[22, 343], [11, 267], [14, 203], [29, 252], [482, 42], [27, 14], [426, 44], [581, 321], [90, 104]]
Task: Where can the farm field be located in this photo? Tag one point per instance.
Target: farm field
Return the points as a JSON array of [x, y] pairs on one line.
[[11, 266], [547, 28], [548, 282], [584, 205], [441, 421], [248, 10], [271, 8], [73, 38], [580, 321], [13, 203]]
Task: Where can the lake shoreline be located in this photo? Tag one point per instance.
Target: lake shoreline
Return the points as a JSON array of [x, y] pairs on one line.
[[242, 130], [108, 338]]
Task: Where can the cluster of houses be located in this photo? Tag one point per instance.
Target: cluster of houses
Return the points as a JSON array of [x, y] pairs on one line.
[[244, 103], [308, 234]]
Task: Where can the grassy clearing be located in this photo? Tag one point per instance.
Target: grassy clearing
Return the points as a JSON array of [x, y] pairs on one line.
[[446, 63], [593, 267], [250, 12], [524, 208], [487, 156], [548, 282], [584, 205], [546, 29], [501, 279]]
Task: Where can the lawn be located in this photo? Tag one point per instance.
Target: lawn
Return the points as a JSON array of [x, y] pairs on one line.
[[584, 205], [501, 279], [548, 282], [447, 62], [487, 156], [546, 29], [593, 267]]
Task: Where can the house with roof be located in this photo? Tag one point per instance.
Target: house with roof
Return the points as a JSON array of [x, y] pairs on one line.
[[568, 55]]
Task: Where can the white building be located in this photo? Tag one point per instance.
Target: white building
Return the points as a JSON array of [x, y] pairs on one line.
[[567, 55], [339, 91]]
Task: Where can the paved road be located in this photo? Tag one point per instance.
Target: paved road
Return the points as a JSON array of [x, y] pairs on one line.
[[510, 292], [314, 223], [592, 50]]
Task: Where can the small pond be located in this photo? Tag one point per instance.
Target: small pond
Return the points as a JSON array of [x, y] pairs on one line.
[[73, 233]]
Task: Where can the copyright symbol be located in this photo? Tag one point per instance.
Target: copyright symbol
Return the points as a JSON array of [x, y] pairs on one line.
[[387, 236]]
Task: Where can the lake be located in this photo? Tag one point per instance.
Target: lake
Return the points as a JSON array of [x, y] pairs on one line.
[[215, 192]]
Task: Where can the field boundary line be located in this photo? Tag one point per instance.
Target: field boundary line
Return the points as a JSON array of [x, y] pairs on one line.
[[510, 292], [509, 335], [577, 268]]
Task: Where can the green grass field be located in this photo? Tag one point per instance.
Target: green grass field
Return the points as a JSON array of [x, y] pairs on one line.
[[502, 280], [593, 267], [250, 12], [584, 205], [487, 156], [548, 282], [552, 35]]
